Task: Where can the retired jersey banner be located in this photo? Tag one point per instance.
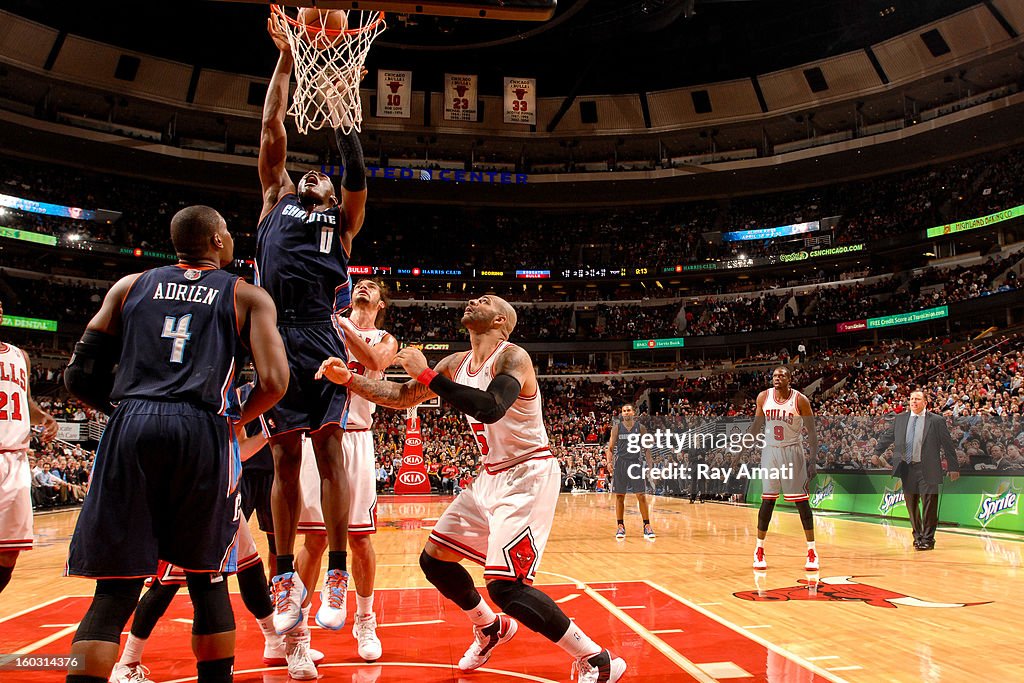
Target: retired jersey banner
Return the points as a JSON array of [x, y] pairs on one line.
[[394, 94], [521, 100], [460, 97]]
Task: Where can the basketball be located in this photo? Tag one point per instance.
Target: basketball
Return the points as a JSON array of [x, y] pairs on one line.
[[323, 27]]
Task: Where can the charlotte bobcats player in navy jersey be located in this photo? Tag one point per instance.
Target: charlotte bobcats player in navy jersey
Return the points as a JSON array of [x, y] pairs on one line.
[[18, 412], [302, 248], [782, 414], [503, 519], [626, 469], [164, 482]]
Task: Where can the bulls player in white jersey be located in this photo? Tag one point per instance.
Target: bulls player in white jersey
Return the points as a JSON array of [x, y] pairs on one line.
[[371, 351], [783, 413], [18, 412], [503, 519]]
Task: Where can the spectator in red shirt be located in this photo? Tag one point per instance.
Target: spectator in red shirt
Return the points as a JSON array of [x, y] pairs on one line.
[[449, 473]]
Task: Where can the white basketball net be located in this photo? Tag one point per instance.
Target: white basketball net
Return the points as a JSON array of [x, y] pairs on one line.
[[328, 68]]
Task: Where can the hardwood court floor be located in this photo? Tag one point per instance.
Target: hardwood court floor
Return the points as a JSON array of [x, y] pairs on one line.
[[684, 607]]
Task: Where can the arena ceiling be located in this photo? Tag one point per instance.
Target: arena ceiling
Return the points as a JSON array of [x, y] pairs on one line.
[[590, 47]]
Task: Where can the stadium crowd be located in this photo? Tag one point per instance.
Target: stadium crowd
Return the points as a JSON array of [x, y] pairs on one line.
[[868, 211]]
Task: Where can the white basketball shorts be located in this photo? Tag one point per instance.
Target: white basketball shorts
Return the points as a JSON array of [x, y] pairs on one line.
[[362, 478], [502, 520], [790, 462], [15, 501]]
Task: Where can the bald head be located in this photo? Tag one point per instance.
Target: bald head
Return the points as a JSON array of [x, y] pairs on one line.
[[505, 308]]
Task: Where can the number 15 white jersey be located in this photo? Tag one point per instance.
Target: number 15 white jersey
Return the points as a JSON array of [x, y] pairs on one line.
[[519, 435]]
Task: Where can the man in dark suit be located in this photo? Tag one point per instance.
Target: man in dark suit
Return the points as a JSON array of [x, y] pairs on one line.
[[917, 436]]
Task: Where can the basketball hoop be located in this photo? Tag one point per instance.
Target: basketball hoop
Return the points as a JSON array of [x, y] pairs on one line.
[[329, 68]]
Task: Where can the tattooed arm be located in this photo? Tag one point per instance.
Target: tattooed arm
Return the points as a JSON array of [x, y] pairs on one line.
[[384, 393]]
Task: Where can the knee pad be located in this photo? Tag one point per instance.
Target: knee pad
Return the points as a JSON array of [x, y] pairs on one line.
[[451, 579], [806, 515], [764, 515], [252, 584], [152, 606], [530, 607], [111, 607], [210, 604]]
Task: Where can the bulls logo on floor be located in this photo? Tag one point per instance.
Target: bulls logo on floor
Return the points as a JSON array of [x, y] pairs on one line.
[[844, 589]]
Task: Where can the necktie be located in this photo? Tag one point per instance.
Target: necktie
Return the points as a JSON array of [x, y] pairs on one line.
[[909, 454]]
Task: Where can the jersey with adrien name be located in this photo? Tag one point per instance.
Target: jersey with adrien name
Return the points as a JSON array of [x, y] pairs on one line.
[[15, 428], [783, 425], [360, 410], [300, 261], [519, 435], [181, 339]]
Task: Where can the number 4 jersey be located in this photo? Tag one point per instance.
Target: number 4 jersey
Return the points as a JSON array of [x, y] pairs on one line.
[[14, 420], [181, 339]]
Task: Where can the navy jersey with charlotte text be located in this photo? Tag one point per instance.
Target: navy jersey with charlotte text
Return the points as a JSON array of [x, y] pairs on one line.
[[181, 340], [300, 261]]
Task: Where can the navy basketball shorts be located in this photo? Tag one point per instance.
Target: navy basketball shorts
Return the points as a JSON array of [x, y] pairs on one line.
[[309, 404], [255, 487], [628, 475], [164, 487]]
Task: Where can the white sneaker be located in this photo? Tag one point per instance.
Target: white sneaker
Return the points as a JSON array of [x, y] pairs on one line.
[[599, 668], [300, 662], [759, 560], [812, 561], [483, 644], [288, 593], [123, 673], [273, 650], [332, 613], [365, 632], [275, 647]]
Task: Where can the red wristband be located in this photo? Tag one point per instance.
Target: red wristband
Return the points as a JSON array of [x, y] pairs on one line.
[[426, 377]]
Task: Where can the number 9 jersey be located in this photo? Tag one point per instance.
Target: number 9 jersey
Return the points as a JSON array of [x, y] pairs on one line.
[[181, 339]]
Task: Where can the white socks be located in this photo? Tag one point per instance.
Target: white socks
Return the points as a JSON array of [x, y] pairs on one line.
[[267, 625], [364, 606], [481, 615], [577, 643], [133, 648]]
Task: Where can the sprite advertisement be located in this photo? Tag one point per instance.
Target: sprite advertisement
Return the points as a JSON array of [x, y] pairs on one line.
[[865, 494], [979, 501]]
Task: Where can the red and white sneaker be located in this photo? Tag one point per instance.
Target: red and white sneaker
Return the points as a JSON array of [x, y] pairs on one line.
[[275, 650], [484, 643], [603, 667], [759, 561], [812, 561]]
